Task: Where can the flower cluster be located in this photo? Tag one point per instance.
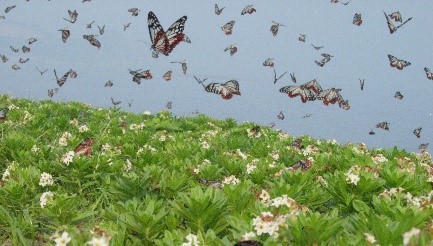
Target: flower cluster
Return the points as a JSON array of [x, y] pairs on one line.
[[146, 147], [61, 239], [389, 193], [309, 150], [127, 166], [205, 145], [408, 235], [46, 179], [7, 172], [369, 238], [192, 240], [253, 133], [136, 128], [68, 157], [275, 155], [379, 158], [268, 223], [63, 140], [83, 128], [34, 148], [420, 202], [46, 198], [230, 180], [352, 178], [406, 164], [251, 166]]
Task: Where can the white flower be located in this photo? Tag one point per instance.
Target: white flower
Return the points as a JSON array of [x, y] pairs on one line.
[[408, 235], [379, 158], [61, 240], [352, 178], [241, 155], [127, 166], [162, 138], [230, 180], [192, 240], [106, 147], [430, 179], [101, 241], [35, 149], [147, 113], [205, 145], [196, 171], [68, 157], [63, 140], [310, 149], [74, 122], [283, 135], [206, 162], [46, 179], [83, 128], [275, 155], [369, 238], [283, 200], [6, 174], [251, 166], [248, 236], [46, 197]]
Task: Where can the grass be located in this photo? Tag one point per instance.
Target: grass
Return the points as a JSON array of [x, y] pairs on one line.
[[166, 180]]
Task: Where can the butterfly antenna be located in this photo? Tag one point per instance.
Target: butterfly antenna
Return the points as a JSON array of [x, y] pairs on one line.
[[404, 23], [57, 78]]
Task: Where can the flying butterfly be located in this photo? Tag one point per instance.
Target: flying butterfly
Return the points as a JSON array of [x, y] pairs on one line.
[[218, 10], [23, 60], [303, 164], [108, 83], [293, 78], [92, 40], [233, 49], [274, 28], [134, 11], [307, 91], [297, 144], [396, 16], [2, 17], [248, 10], [3, 113], [383, 125], [15, 67], [302, 37], [9, 8], [32, 40], [169, 105], [89, 26], [428, 73], [165, 42], [14, 50], [317, 47], [167, 75], [417, 132], [357, 20], [72, 74], [4, 58], [25, 49], [397, 63], [115, 102], [280, 116], [52, 92], [275, 75], [73, 16], [125, 26], [331, 96], [41, 72], [268, 62], [226, 90], [391, 26], [62, 80], [184, 66], [423, 147], [320, 63], [248, 243], [398, 95], [361, 83], [137, 75], [84, 147], [228, 27], [65, 34]]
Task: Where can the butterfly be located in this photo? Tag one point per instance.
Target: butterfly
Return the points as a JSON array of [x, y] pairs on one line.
[[233, 49], [320, 63], [32, 40], [396, 16], [164, 42], [391, 26], [228, 27], [65, 34], [84, 147], [303, 164], [23, 60], [9, 8], [383, 125], [101, 29], [4, 58], [423, 146], [280, 116], [274, 28], [361, 83], [428, 73], [15, 67], [13, 49], [226, 90], [417, 132], [397, 63], [317, 47], [88, 26], [307, 91], [52, 92], [371, 132], [184, 66], [108, 83], [398, 95], [137, 75], [248, 243], [72, 74], [293, 78], [62, 80], [134, 11], [248, 10], [268, 62], [357, 20], [25, 49], [218, 10], [296, 144], [210, 183], [167, 75], [306, 116], [331, 96], [41, 72], [126, 26], [169, 105], [73, 16], [302, 37], [275, 75], [346, 3], [92, 40], [3, 113], [115, 102]]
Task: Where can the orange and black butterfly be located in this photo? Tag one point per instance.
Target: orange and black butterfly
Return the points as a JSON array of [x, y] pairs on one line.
[[65, 34], [248, 10], [92, 40], [428, 73], [228, 27], [303, 164], [397, 17], [397, 63], [226, 90], [383, 125], [357, 20], [417, 132], [85, 147], [3, 113], [62, 80], [331, 96]]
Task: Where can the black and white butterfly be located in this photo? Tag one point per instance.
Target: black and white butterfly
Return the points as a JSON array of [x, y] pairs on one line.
[[32, 40], [169, 105], [9, 8], [398, 95], [101, 29], [302, 37], [417, 132], [134, 11], [280, 116], [89, 26], [397, 63], [383, 125], [25, 49], [397, 17], [23, 60], [72, 15], [3, 113], [61, 81], [210, 183], [126, 26], [279, 77], [307, 91], [274, 28], [4, 58], [226, 90], [293, 78], [317, 47], [228, 27], [428, 73], [249, 9], [423, 147], [361, 83], [65, 34], [137, 75], [165, 41], [13, 49], [232, 48], [92, 40], [115, 103], [52, 92], [268, 62], [357, 20], [15, 67], [108, 83], [332, 96], [218, 10], [41, 72]]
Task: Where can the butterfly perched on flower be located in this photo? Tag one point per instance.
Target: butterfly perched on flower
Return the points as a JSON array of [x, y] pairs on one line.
[[397, 63], [383, 125], [72, 15], [233, 49], [268, 62], [274, 28], [164, 42], [85, 147], [248, 10], [398, 95], [61, 81], [357, 20], [303, 164], [65, 34], [417, 132], [92, 40], [397, 17], [167, 75], [428, 73], [226, 90], [218, 10], [3, 113], [228, 27], [248, 243]]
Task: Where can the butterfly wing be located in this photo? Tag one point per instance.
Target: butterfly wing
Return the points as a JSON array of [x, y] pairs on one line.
[[158, 37], [428, 73], [228, 27], [175, 33], [391, 26], [314, 86], [417, 132], [3, 113], [229, 88]]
